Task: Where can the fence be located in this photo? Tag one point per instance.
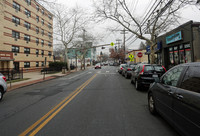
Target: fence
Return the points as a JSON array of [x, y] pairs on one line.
[[12, 74]]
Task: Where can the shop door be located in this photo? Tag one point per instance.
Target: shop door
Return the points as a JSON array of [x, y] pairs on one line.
[[16, 66], [181, 54], [176, 62], [171, 57]]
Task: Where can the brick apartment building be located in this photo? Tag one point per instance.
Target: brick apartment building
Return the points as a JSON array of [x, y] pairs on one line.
[[25, 35]]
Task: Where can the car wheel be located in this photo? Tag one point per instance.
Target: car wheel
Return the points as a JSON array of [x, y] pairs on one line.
[[1, 94], [137, 85], [151, 104]]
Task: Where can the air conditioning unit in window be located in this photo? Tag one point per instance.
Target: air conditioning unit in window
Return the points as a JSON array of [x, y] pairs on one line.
[[27, 55], [27, 41], [16, 24], [16, 10], [15, 38], [15, 54]]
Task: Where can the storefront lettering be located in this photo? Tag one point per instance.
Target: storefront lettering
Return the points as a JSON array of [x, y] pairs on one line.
[[6, 56], [174, 37]]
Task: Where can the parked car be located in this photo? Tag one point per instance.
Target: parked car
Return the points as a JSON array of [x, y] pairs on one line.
[[128, 70], [176, 97], [115, 64], [98, 66], [144, 74], [3, 86], [121, 67]]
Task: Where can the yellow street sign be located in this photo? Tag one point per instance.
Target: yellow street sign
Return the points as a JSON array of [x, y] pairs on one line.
[[112, 44], [131, 57]]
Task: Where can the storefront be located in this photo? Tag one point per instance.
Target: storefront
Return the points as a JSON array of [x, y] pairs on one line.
[[6, 60], [181, 45]]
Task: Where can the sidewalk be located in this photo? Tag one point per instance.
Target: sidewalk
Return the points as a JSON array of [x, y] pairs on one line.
[[35, 77]]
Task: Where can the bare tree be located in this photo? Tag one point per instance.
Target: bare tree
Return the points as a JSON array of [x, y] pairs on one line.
[[68, 22], [162, 17]]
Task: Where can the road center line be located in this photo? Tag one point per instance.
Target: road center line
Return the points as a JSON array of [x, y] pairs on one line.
[[57, 109]]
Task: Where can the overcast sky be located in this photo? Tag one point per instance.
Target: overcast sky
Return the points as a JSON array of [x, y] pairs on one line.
[[139, 6]]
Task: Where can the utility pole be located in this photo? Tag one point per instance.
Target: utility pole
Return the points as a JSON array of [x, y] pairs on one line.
[[118, 43], [124, 33]]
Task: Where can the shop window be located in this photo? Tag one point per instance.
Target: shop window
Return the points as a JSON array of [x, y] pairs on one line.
[[187, 53], [26, 64], [27, 50], [181, 54], [27, 25], [15, 49], [171, 56], [15, 35], [16, 6], [37, 64], [176, 59], [27, 13], [16, 20]]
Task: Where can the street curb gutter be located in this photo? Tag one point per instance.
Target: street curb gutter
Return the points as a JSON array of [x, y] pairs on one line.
[[35, 82]]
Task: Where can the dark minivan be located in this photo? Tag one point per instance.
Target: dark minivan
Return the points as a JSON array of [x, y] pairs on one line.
[[176, 97], [144, 74]]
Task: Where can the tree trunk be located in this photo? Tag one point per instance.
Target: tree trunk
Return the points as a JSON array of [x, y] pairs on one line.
[[152, 54], [67, 59]]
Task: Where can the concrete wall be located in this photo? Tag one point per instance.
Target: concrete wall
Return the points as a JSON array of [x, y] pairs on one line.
[[196, 43]]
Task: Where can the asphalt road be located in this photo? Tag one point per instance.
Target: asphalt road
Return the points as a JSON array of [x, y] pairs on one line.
[[87, 103]]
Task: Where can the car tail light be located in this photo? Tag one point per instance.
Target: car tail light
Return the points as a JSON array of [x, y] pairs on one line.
[[128, 69], [142, 71], [4, 78], [121, 68], [164, 68]]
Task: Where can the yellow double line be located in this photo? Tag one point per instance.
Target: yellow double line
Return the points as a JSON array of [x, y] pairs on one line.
[[38, 125]]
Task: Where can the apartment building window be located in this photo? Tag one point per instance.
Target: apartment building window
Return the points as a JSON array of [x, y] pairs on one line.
[[27, 25], [42, 53], [37, 8], [16, 6], [28, 2], [37, 41], [15, 35], [42, 42], [42, 63], [42, 11], [27, 38], [37, 64], [37, 52], [37, 18], [49, 34], [27, 50], [50, 17], [49, 44], [42, 21], [26, 64], [49, 53], [49, 25], [16, 20], [15, 49], [37, 29], [42, 32], [28, 13]]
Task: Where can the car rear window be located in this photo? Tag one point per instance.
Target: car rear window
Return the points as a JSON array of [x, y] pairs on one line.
[[148, 68], [159, 68]]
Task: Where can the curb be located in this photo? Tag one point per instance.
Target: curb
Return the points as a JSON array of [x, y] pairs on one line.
[[36, 81]]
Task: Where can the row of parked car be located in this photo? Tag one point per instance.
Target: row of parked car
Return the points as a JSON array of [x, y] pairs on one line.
[[174, 94], [3, 86]]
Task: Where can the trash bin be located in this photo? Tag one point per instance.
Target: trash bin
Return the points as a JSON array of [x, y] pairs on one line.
[[63, 70]]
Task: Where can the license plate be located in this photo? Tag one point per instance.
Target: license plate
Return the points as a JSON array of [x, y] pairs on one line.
[[154, 75]]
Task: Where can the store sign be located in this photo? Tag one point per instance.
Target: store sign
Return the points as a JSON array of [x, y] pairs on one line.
[[148, 49], [6, 55], [174, 37]]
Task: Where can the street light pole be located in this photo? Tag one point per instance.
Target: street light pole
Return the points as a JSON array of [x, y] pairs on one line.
[[124, 33]]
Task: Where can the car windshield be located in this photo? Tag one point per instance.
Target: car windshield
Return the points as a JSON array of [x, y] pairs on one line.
[[159, 68], [153, 68]]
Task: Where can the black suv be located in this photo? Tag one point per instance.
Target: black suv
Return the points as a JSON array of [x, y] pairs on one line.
[[176, 97], [145, 74]]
